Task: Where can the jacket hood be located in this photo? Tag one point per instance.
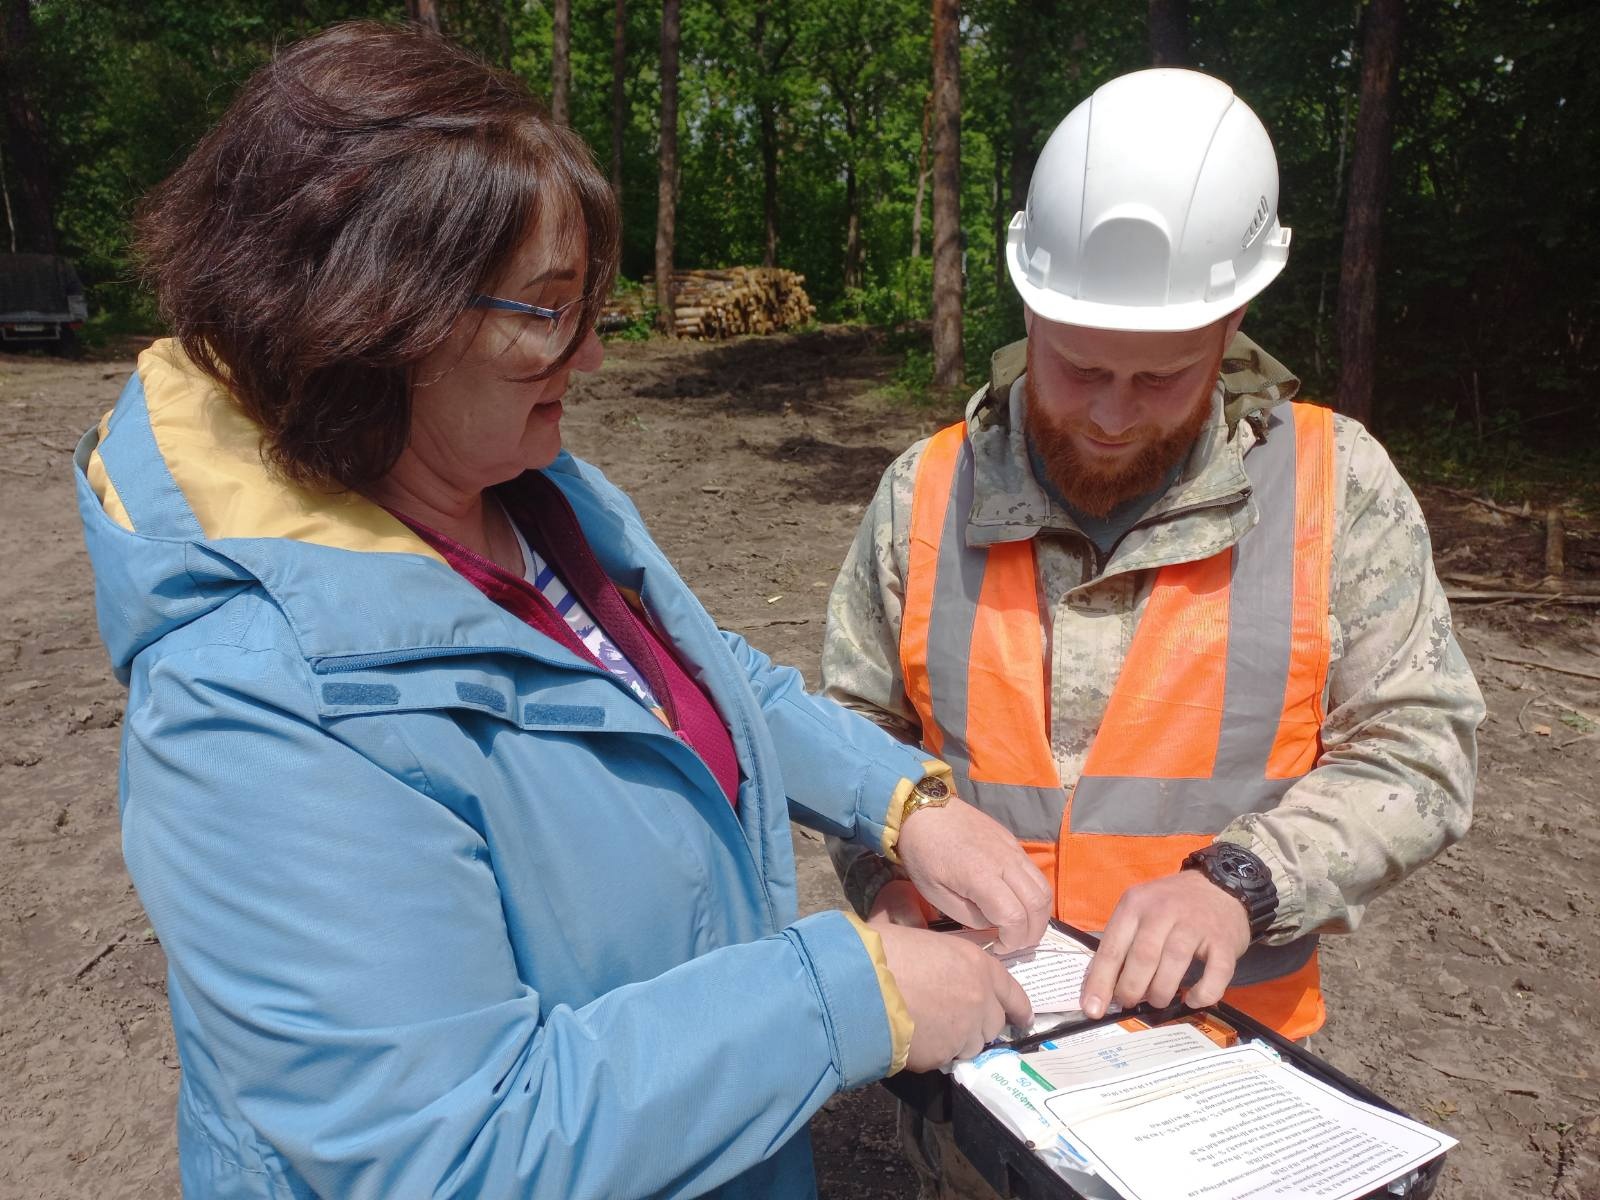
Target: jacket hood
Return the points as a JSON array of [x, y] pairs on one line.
[[180, 514]]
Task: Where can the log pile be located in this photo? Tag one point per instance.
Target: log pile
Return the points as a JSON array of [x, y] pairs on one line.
[[709, 305], [622, 310]]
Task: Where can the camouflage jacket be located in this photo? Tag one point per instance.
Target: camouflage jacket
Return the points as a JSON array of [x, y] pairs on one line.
[[1393, 786]]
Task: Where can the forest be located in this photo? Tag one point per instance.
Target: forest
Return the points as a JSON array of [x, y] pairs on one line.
[[1437, 157], [1438, 163]]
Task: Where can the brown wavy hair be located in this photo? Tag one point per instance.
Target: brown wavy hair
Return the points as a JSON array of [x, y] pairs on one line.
[[331, 229]]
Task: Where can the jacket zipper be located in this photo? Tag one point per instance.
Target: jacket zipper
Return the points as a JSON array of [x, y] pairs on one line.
[[330, 665], [1101, 560], [389, 658]]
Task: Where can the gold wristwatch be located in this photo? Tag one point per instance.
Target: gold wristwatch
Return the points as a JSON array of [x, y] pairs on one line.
[[928, 792]]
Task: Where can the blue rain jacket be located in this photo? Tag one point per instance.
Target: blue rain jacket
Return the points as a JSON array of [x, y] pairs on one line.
[[448, 912]]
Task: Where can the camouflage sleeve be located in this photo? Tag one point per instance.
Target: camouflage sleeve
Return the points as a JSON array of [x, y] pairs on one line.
[[1393, 787], [861, 645], [861, 650]]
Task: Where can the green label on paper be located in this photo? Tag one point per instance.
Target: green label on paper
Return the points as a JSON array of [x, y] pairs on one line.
[[1038, 1078]]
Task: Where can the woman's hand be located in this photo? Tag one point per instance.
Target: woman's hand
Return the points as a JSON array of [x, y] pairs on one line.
[[959, 996], [972, 868]]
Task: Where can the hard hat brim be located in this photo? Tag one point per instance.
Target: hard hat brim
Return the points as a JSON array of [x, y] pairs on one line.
[[1167, 318]]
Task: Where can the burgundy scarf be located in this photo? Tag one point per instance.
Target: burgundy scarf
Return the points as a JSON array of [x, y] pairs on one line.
[[551, 528]]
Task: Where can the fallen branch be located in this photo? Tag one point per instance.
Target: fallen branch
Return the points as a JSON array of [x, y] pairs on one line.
[[1549, 584], [1500, 952], [1555, 544], [1558, 702], [1573, 741], [1522, 713], [1544, 666], [1526, 515], [99, 954], [1468, 596], [1519, 1087]]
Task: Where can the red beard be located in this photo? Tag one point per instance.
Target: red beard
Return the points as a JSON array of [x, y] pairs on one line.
[[1095, 488]]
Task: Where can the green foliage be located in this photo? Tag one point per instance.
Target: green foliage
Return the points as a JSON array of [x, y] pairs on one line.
[[912, 382], [1500, 456], [641, 329], [1490, 317]]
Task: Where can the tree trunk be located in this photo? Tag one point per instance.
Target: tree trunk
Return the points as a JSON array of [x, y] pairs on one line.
[[424, 13], [667, 185], [1363, 224], [1335, 198], [947, 364], [852, 227], [768, 117], [922, 180], [619, 95], [29, 193], [1028, 61], [502, 33], [769, 183], [1169, 33], [1001, 211], [561, 63]]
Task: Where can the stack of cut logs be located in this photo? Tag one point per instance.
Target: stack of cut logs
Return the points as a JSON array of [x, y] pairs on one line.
[[723, 303]]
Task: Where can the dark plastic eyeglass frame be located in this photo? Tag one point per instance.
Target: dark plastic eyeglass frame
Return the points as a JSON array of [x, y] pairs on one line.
[[553, 315]]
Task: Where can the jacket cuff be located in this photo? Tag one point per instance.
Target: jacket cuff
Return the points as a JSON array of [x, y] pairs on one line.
[[866, 1042], [897, 803], [1287, 921], [901, 1026]]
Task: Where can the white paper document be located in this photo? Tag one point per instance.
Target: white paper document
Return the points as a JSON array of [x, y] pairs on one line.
[[1236, 1124], [1074, 1062], [1051, 972]]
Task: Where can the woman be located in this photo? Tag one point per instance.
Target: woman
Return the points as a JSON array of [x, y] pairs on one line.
[[463, 827]]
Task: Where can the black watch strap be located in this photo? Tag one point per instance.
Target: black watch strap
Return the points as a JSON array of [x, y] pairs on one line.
[[1243, 876]]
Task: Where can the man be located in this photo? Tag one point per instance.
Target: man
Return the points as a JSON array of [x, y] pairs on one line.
[[1182, 636]]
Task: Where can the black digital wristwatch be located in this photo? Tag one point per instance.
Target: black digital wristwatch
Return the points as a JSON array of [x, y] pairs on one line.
[[1243, 876]]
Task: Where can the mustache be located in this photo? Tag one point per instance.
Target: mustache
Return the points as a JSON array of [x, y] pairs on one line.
[[1085, 428]]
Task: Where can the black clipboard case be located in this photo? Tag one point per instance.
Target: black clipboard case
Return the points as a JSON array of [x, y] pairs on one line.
[[1013, 1170]]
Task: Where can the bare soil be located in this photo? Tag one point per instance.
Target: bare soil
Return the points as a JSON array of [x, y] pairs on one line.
[[1468, 997]]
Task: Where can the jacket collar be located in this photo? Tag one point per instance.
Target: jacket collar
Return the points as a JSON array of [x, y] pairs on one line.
[[179, 505], [1206, 509]]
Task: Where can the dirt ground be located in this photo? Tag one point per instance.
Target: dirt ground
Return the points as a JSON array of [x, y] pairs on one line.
[[1469, 996]]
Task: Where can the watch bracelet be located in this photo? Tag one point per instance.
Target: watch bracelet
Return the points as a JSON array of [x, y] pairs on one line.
[[1205, 859]]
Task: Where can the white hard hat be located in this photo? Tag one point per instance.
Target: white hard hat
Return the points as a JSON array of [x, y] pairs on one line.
[[1154, 206]]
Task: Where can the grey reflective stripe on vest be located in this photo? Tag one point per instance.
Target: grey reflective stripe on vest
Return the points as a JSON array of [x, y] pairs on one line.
[[957, 581], [1260, 641], [1031, 813], [1119, 804]]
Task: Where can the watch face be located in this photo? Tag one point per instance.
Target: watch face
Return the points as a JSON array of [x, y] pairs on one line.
[[1246, 873], [932, 789]]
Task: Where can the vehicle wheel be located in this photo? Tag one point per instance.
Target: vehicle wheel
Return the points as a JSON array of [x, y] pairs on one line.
[[67, 345]]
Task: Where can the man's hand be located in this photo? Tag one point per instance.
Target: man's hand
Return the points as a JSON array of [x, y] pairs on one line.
[[971, 868], [959, 996], [897, 903], [1157, 930]]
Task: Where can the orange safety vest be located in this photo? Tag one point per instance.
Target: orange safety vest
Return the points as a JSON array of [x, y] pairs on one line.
[[1216, 713]]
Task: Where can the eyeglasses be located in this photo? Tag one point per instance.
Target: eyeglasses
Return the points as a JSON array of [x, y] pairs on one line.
[[557, 322]]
